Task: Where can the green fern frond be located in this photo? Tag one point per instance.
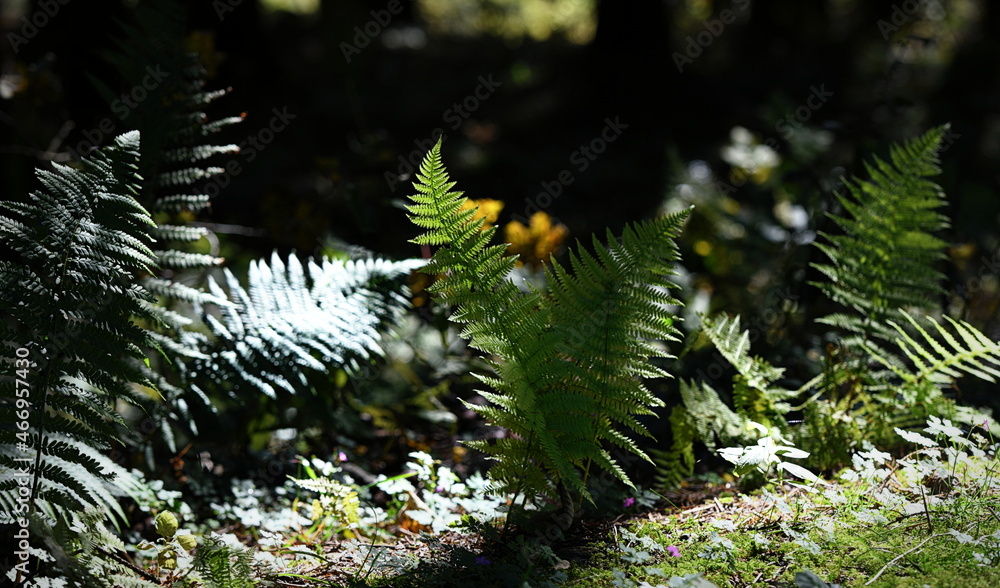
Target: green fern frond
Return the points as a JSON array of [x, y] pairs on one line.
[[222, 566], [607, 316], [714, 422], [184, 260], [885, 258], [174, 203], [179, 154], [734, 344], [75, 472], [676, 464], [193, 153], [567, 362], [187, 177], [174, 126], [941, 357], [85, 555], [180, 233], [704, 416]]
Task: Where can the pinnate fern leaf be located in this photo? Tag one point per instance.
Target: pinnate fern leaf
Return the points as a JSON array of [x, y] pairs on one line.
[[294, 319], [71, 299], [941, 357], [885, 258], [224, 566], [734, 344], [568, 362]]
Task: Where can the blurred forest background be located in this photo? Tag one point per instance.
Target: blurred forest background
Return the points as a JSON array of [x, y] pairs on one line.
[[750, 110]]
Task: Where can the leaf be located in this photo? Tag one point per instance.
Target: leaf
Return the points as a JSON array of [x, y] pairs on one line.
[[885, 258], [82, 239], [792, 452], [915, 438], [798, 471], [293, 319], [807, 579]]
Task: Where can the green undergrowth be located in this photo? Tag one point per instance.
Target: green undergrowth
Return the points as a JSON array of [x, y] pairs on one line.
[[930, 518]]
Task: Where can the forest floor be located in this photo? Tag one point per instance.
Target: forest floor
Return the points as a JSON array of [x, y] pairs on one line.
[[876, 529]]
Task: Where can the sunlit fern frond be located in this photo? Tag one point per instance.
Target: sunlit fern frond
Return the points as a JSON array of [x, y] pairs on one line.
[[885, 257], [568, 362], [292, 319], [940, 356], [71, 331]]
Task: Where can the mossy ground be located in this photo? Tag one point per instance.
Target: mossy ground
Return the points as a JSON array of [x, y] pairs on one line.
[[735, 540], [750, 543]]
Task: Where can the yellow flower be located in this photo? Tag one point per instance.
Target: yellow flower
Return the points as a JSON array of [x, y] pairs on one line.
[[536, 242], [489, 210]]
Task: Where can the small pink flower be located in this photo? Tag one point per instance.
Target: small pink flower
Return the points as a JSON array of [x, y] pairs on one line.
[[674, 552], [629, 501], [342, 456]]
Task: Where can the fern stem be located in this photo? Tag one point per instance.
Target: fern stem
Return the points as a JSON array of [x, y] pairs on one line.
[[36, 474], [520, 490]]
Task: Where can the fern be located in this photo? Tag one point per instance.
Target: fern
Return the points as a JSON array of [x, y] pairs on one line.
[[885, 258], [292, 321], [177, 157], [86, 555], [567, 361], [754, 393], [222, 566], [676, 464], [176, 131], [940, 365], [105, 481], [704, 416], [177, 143], [222, 341], [72, 299], [884, 261]]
